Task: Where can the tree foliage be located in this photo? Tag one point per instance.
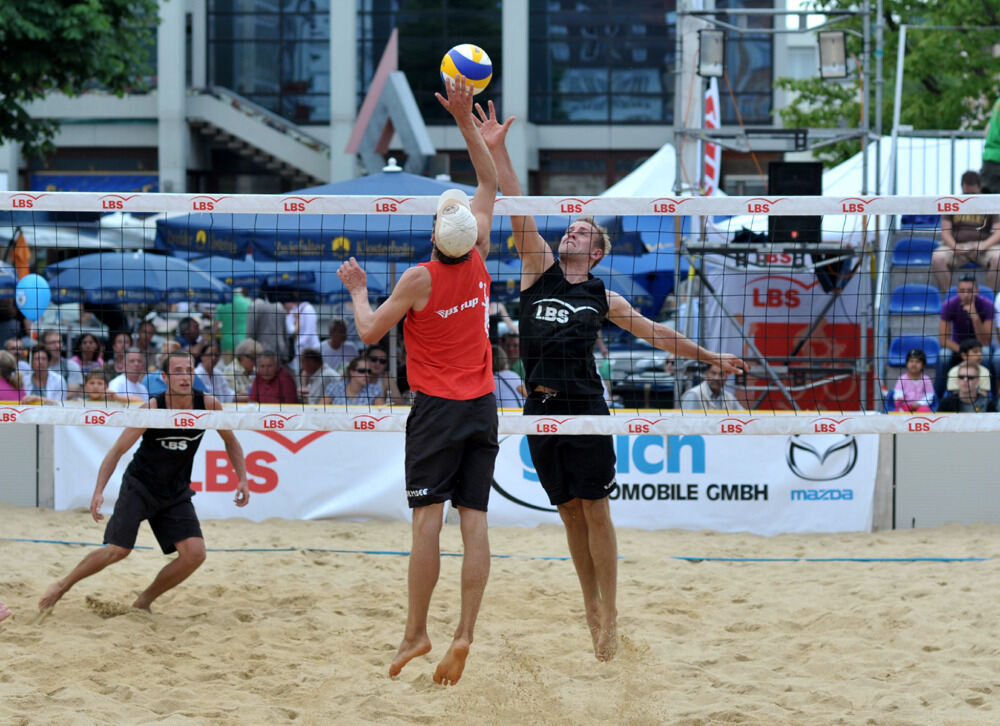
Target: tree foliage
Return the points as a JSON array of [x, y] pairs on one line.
[[68, 46], [950, 77]]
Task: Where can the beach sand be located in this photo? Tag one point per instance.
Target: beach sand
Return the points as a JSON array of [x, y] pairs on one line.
[[305, 636]]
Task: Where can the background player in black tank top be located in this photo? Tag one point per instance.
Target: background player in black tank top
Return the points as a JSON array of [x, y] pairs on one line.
[[156, 487], [562, 309]]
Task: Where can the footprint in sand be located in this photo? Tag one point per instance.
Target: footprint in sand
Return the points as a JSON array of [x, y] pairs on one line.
[[107, 609]]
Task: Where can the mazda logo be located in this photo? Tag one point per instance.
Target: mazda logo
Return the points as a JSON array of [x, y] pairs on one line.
[[821, 457]]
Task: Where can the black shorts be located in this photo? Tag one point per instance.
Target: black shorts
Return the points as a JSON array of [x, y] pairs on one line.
[[571, 467], [170, 523], [451, 447]]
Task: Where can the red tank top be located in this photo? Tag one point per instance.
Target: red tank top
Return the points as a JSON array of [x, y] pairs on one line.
[[448, 352]]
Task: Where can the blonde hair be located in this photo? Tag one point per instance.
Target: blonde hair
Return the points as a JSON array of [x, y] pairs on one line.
[[9, 371], [602, 233]]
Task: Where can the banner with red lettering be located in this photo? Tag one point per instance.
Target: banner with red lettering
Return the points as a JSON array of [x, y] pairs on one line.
[[761, 484], [713, 152]]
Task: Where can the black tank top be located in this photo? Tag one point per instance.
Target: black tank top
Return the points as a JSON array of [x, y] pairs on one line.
[[559, 323], [163, 463]]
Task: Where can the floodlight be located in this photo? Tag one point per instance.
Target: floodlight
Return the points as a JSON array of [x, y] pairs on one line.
[[832, 54], [711, 53]]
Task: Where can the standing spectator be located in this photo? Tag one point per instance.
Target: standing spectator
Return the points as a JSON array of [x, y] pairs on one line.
[[710, 394], [266, 325], [337, 350], [969, 398], [128, 387], [87, 353], [44, 382], [507, 385], [15, 346], [354, 387], [314, 376], [145, 340], [964, 315], [11, 380], [968, 238], [213, 381], [273, 383], [301, 324], [232, 317], [990, 171], [120, 342], [11, 325], [914, 390], [239, 371], [68, 370]]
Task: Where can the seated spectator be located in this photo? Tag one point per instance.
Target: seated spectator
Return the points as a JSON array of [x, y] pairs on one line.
[[120, 342], [212, 381], [44, 383], [191, 336], [69, 371], [239, 371], [87, 353], [965, 315], [511, 344], [314, 375], [914, 391], [507, 385], [971, 351], [969, 398], [968, 238], [710, 394], [11, 379], [378, 357], [355, 387], [145, 340], [153, 381], [95, 386], [337, 350], [15, 346], [500, 322], [128, 387], [273, 383]]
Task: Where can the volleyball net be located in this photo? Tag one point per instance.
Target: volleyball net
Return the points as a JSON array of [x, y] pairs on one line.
[[823, 297]]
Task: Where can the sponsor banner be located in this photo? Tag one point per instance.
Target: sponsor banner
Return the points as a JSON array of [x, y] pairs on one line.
[[762, 484], [358, 204]]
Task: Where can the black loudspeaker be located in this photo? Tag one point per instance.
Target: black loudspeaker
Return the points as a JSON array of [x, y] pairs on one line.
[[794, 179]]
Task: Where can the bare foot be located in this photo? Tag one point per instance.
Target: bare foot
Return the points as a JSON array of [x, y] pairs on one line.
[[139, 605], [408, 650], [449, 670], [607, 642], [4, 612], [51, 596]]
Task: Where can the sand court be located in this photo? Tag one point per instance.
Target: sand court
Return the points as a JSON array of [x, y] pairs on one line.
[[277, 627]]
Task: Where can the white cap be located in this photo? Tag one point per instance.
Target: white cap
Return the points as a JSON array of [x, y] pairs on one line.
[[456, 229]]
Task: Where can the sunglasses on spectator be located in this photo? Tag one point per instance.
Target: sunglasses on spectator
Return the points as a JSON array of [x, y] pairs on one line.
[[378, 359], [968, 377], [365, 371]]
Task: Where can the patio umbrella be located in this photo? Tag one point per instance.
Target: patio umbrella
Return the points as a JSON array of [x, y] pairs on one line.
[[132, 277]]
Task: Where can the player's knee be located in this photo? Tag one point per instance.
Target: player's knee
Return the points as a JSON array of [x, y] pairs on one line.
[[116, 553], [192, 552]]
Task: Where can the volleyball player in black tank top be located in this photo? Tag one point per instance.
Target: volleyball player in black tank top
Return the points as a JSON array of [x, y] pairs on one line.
[[156, 487]]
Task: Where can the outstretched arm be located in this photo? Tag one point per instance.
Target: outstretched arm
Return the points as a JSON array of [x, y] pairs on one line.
[[666, 338], [536, 256], [459, 105], [412, 291]]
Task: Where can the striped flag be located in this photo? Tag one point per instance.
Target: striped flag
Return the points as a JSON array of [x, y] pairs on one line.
[[713, 152]]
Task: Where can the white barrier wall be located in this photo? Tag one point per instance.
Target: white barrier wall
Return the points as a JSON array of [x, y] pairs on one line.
[[762, 484]]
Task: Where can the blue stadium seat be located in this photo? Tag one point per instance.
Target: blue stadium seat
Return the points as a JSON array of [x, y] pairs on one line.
[[920, 221], [984, 291], [900, 346], [913, 252], [915, 299]]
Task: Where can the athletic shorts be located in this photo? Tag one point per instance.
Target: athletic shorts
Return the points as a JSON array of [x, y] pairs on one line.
[[571, 467], [171, 523], [451, 447]]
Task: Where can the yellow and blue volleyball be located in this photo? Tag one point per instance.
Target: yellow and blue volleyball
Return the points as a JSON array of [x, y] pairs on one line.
[[470, 61]]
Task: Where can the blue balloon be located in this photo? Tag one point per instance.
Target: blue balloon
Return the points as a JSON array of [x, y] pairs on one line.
[[32, 295]]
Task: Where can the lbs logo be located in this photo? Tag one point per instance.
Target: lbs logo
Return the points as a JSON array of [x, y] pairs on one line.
[[276, 421], [96, 417], [950, 204], [114, 202], [666, 205], [296, 204], [367, 422], [760, 205], [821, 457], [24, 201], [390, 204], [734, 425], [573, 205], [186, 419], [855, 204], [10, 415], [204, 203]]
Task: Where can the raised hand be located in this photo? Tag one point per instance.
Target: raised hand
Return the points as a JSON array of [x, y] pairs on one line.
[[459, 101], [493, 132]]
